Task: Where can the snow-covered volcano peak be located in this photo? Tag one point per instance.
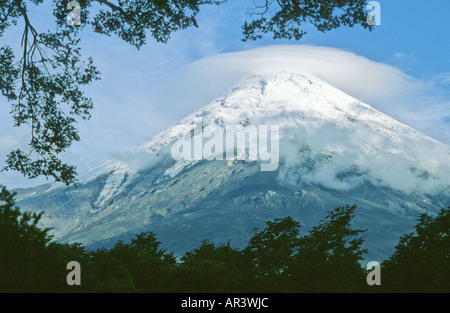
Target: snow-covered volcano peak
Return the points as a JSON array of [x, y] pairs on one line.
[[325, 134], [326, 137], [282, 98]]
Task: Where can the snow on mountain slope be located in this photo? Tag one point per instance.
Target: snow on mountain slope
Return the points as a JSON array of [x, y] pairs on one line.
[[318, 120], [334, 150]]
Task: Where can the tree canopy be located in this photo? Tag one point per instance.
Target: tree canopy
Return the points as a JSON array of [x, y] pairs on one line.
[[277, 258], [422, 258], [43, 82]]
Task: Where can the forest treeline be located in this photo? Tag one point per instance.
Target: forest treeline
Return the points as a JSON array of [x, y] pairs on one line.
[[277, 259]]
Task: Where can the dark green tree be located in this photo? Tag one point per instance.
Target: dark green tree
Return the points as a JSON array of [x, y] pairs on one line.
[[22, 246], [29, 262], [421, 261], [149, 265], [104, 272], [210, 268], [54, 267], [328, 258], [44, 81], [270, 253]]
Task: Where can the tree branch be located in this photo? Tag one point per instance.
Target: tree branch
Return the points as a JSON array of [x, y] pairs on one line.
[[111, 5]]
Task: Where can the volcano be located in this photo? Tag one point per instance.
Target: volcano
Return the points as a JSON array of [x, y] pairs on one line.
[[329, 150]]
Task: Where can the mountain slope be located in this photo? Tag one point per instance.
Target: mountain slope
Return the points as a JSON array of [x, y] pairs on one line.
[[333, 150]]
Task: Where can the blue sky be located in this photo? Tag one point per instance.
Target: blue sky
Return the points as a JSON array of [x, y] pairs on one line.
[[141, 92]]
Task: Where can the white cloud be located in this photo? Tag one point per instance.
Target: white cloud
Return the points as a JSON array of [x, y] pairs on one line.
[[324, 158]]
